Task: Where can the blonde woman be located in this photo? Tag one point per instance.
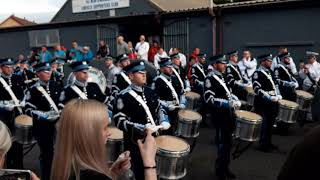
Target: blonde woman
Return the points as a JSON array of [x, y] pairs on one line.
[[5, 144], [80, 146]]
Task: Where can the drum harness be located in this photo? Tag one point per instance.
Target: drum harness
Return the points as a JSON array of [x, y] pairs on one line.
[[16, 102], [173, 91], [79, 92], [178, 76]]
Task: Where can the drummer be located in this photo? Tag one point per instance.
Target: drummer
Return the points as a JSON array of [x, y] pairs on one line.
[[8, 111], [170, 92], [222, 103], [180, 72], [136, 108], [284, 77], [81, 88], [198, 72], [234, 77], [41, 104], [266, 100]]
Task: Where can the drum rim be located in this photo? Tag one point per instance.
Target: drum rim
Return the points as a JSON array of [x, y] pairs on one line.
[[258, 121], [174, 153]]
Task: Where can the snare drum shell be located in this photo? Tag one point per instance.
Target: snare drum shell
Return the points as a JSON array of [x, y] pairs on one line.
[[114, 147], [187, 128], [172, 165], [24, 134], [287, 114], [248, 130]]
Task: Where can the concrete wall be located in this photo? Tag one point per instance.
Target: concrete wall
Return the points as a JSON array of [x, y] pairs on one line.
[[136, 7], [263, 31]]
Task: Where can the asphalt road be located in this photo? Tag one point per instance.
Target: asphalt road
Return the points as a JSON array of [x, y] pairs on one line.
[[251, 165]]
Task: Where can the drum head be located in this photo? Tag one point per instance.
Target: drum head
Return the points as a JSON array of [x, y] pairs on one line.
[[189, 115], [115, 133], [250, 116], [287, 103], [304, 94], [193, 95], [23, 120], [172, 144]]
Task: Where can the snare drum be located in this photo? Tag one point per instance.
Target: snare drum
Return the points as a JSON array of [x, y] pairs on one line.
[[114, 145], [172, 157], [193, 100], [250, 96], [23, 129], [248, 125], [288, 111], [188, 123], [304, 99]]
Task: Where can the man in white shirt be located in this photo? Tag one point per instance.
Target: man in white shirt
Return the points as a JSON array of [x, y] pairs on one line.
[[161, 54], [142, 48], [311, 72], [247, 66], [276, 60], [183, 58]]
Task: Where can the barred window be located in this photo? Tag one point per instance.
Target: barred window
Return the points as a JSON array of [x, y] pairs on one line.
[[40, 38]]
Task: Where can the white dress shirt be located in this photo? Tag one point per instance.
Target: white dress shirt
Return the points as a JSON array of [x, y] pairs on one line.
[[183, 60], [247, 68], [314, 71], [143, 49], [157, 59], [291, 66]]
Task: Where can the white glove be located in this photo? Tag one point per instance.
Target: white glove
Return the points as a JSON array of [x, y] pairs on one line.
[[165, 125], [279, 97], [41, 115], [153, 128], [9, 107], [172, 107], [187, 89], [182, 106], [52, 115], [237, 104], [274, 98]]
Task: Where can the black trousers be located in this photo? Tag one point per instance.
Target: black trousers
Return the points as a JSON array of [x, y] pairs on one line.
[[45, 135], [14, 158], [224, 123], [269, 112]]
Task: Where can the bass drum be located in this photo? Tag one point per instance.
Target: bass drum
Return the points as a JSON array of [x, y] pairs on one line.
[[95, 76]]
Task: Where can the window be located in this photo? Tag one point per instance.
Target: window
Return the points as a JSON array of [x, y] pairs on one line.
[[40, 38]]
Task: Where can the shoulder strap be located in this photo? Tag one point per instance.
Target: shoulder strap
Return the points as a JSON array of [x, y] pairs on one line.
[[171, 88], [125, 77], [79, 92], [270, 79], [11, 93], [49, 99], [201, 70], [236, 70], [222, 84], [178, 76], [144, 105]]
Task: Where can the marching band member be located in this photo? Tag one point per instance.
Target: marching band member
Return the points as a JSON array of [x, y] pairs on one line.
[[266, 100], [287, 85], [247, 66], [170, 91], [311, 72], [41, 104], [198, 74], [27, 74], [11, 90], [81, 88], [234, 77], [221, 103], [277, 60], [180, 72], [284, 77], [136, 108]]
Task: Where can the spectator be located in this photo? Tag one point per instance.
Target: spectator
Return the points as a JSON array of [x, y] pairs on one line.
[[80, 147], [111, 71], [194, 54], [247, 66], [103, 50], [161, 54], [59, 55], [142, 48], [182, 57], [5, 144], [132, 54], [86, 54], [122, 46], [276, 60], [153, 51], [75, 52], [45, 55]]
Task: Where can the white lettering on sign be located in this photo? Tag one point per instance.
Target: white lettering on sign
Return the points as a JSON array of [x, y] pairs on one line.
[[79, 6]]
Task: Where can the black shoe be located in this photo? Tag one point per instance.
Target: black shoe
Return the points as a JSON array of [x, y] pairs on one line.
[[231, 175]]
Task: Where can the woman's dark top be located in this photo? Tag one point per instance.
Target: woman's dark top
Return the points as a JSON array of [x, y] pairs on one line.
[[90, 175]]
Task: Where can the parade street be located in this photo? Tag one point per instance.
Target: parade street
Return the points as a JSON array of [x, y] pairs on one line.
[[251, 165]]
